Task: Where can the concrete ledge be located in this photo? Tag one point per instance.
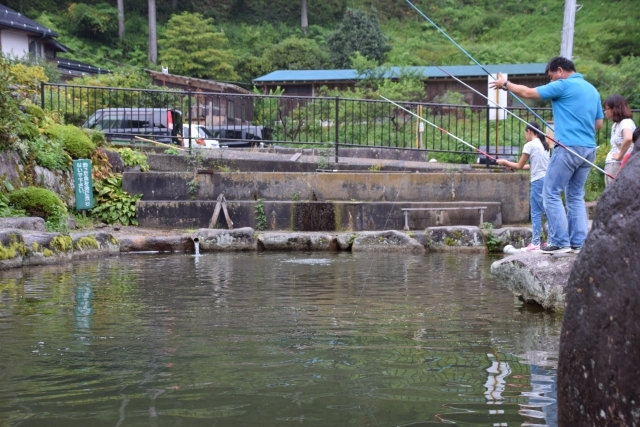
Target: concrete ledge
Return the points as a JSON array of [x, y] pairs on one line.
[[213, 240], [297, 242], [518, 237], [90, 245], [132, 243], [24, 223], [12, 248], [455, 239], [386, 241], [46, 248]]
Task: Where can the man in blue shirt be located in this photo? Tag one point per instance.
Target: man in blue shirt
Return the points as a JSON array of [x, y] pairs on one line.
[[577, 114]]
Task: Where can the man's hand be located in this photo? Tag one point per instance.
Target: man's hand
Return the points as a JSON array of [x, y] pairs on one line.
[[497, 84]]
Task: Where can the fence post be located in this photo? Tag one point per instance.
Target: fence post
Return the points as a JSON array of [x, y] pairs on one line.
[[336, 126], [488, 134], [42, 95], [189, 119]]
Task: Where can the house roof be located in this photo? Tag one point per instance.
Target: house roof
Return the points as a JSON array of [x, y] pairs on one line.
[[9, 18], [311, 76], [212, 85], [70, 67]]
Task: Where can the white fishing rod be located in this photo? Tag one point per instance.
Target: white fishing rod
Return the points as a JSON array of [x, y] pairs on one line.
[[435, 126], [522, 120]]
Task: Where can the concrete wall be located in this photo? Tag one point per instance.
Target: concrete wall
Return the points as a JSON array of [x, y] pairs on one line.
[[14, 43], [310, 216], [510, 190]]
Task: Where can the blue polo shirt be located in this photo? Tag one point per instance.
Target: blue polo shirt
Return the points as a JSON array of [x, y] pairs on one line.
[[576, 107]]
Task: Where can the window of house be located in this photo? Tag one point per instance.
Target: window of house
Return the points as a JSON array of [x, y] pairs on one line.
[[231, 110], [35, 49]]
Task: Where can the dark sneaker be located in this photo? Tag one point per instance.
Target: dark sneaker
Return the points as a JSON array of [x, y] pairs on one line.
[[576, 249], [552, 249]]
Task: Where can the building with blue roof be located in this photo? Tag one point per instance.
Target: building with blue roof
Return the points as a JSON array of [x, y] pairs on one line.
[[437, 82]]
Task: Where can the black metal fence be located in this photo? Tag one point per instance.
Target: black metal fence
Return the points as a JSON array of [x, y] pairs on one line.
[[240, 119]]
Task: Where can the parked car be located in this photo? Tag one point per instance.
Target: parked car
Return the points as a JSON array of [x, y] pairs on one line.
[[510, 153], [198, 135], [240, 136], [161, 124]]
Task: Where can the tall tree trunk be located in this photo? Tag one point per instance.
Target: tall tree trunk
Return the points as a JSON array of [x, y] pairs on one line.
[[303, 16], [153, 42], [121, 19]]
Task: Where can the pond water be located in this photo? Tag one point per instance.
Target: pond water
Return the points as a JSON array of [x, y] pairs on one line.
[[273, 339]]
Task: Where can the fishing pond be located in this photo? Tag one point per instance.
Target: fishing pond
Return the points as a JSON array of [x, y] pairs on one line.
[[273, 339]]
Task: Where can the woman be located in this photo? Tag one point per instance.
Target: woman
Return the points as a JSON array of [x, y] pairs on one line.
[[536, 151], [617, 109]]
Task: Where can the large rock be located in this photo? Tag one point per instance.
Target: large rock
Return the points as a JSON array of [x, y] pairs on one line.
[[386, 241], [598, 374], [240, 239], [535, 277], [517, 237], [297, 242], [455, 239]]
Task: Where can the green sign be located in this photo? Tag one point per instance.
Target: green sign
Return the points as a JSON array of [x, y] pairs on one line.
[[83, 184]]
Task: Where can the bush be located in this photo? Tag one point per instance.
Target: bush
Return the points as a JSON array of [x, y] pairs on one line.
[[75, 141], [134, 158], [114, 206], [49, 153], [38, 201], [37, 113], [28, 131]]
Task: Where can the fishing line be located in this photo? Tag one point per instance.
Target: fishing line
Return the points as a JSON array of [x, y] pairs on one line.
[[524, 121], [474, 60]]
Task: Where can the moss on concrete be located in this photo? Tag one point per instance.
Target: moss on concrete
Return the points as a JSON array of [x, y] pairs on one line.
[[47, 252], [86, 242], [13, 249], [62, 243]]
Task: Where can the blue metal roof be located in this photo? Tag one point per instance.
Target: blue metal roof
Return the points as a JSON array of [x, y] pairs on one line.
[[394, 72]]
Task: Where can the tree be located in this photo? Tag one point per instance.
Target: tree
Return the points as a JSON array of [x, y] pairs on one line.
[[192, 46], [153, 39], [358, 32], [121, 19], [304, 23], [295, 53]]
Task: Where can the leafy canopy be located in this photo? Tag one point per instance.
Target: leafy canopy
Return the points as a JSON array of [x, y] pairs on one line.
[[359, 31], [192, 46]]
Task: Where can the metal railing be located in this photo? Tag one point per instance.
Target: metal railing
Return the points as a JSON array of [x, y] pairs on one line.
[[310, 121]]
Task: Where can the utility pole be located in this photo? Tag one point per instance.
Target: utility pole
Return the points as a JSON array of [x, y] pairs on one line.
[[566, 46]]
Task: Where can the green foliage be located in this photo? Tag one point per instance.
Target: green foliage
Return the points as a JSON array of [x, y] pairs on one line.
[[595, 180], [193, 187], [49, 153], [40, 202], [28, 131], [10, 115], [6, 209], [172, 151], [134, 158], [96, 21], [36, 113], [260, 215], [75, 141], [192, 46], [295, 53], [359, 31], [114, 206]]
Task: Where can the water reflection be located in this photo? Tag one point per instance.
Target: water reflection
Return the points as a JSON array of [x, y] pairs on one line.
[[272, 339]]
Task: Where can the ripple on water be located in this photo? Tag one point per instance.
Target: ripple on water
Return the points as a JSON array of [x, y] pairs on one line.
[[268, 339]]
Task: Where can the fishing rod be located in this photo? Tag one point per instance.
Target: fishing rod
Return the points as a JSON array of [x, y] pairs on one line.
[[523, 121], [435, 126], [474, 60]]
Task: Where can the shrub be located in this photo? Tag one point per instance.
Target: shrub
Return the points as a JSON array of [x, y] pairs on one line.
[[114, 206], [134, 158], [37, 113], [38, 201], [28, 131], [49, 153], [75, 141]]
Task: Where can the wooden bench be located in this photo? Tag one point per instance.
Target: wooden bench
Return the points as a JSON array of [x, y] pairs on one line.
[[439, 218]]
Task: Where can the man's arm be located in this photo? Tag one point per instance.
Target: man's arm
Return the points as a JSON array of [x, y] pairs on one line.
[[599, 123], [520, 90]]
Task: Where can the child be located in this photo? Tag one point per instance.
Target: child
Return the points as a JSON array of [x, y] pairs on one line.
[[617, 109], [536, 151]]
